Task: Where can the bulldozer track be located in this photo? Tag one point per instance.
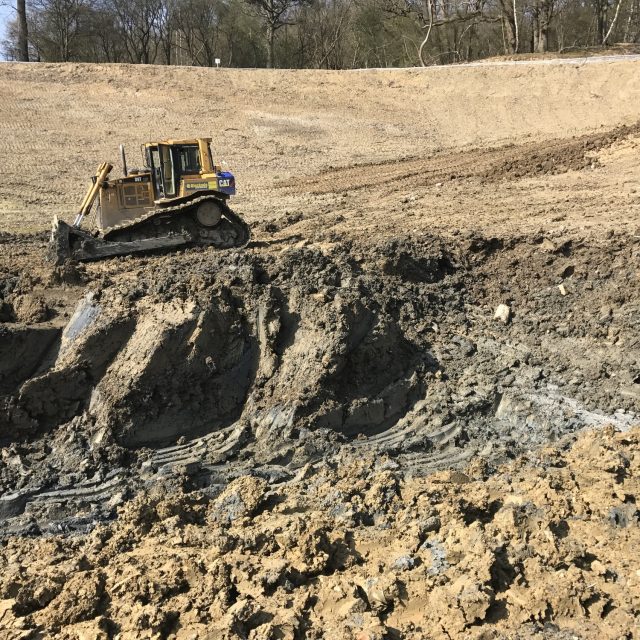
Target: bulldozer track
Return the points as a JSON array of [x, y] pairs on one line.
[[107, 244], [185, 206], [419, 446], [377, 175], [207, 449]]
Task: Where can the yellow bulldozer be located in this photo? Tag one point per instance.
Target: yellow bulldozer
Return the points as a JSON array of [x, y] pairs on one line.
[[178, 198]]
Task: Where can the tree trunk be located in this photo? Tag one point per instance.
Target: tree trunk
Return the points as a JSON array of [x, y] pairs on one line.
[[510, 35], [271, 33], [601, 17], [426, 38], [543, 13], [512, 38], [629, 21], [515, 25], [543, 38], [605, 40], [23, 40]]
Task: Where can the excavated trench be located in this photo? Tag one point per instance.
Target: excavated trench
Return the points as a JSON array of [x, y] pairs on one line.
[[191, 369]]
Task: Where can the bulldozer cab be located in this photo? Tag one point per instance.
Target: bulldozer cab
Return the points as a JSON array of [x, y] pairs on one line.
[[170, 162]]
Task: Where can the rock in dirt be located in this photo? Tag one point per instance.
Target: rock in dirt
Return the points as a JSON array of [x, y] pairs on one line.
[[502, 313], [240, 499]]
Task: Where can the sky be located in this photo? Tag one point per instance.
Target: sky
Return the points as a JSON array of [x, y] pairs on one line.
[[6, 13]]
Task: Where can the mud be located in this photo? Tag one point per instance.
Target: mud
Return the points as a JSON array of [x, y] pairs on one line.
[[214, 364], [352, 548]]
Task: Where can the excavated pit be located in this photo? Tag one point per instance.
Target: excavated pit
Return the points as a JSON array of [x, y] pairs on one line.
[[204, 365]]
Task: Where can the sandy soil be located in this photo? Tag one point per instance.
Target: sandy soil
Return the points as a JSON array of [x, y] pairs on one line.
[[329, 433], [60, 121]]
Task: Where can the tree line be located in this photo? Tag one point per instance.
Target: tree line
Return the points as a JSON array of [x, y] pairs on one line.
[[328, 34]]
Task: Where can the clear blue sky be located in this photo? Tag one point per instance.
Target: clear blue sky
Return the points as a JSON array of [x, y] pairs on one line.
[[6, 13]]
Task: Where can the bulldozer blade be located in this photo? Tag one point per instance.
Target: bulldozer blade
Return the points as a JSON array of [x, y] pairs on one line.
[[70, 243], [95, 248], [59, 248]]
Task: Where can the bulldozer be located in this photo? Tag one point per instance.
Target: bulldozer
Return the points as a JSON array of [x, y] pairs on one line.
[[179, 197]]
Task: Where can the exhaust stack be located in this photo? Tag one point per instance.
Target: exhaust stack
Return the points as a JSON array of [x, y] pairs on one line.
[[123, 157]]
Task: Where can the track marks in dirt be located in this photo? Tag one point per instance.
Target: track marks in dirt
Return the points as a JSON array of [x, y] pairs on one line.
[[354, 544], [490, 165]]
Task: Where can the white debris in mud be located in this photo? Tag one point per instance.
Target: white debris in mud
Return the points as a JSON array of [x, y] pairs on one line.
[[503, 313]]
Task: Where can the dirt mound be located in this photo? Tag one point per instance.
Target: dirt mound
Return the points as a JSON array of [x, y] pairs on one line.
[[353, 550], [220, 362], [510, 162], [177, 351]]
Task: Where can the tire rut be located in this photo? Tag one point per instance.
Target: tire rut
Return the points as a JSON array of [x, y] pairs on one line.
[[506, 162]]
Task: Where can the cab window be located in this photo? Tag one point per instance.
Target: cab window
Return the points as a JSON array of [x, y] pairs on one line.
[[189, 159]]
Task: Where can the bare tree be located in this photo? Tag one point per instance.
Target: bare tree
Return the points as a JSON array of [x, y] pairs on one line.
[[431, 14], [605, 40], [542, 12], [322, 33], [601, 10], [139, 24], [198, 24], [509, 13], [275, 15], [310, 33], [166, 27], [105, 36], [23, 32], [57, 27], [630, 18]]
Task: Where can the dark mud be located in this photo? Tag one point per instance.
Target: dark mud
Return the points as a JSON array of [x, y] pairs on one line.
[[194, 368]]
